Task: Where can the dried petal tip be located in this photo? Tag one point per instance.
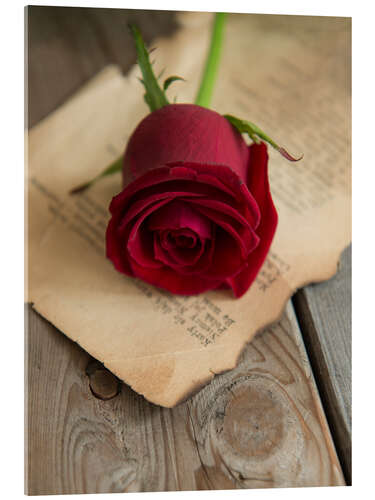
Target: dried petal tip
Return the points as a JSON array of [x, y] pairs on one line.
[[254, 132], [287, 155]]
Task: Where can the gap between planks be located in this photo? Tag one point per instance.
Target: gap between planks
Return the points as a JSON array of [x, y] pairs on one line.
[[324, 316]]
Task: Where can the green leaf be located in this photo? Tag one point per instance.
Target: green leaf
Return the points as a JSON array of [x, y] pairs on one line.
[[115, 167], [255, 133], [170, 80], [154, 96]]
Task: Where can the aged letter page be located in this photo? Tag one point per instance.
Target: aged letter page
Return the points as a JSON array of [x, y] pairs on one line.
[[291, 76]]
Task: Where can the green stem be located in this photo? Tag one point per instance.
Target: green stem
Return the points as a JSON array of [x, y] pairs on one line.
[[155, 97], [212, 62]]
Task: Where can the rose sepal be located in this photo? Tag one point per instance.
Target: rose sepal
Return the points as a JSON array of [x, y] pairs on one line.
[[255, 133]]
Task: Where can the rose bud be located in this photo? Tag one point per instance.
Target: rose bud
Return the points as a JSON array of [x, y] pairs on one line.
[[198, 214]]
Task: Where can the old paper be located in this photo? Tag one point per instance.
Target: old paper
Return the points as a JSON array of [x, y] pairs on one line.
[[288, 74]]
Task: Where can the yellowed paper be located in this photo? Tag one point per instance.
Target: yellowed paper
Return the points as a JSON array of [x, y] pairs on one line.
[[288, 74]]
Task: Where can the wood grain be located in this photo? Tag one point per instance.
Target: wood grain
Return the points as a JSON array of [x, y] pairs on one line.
[[260, 425], [324, 313]]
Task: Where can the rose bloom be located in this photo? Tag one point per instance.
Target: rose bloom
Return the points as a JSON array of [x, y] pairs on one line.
[[199, 214]]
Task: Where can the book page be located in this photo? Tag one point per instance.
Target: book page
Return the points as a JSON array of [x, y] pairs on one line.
[[288, 74]]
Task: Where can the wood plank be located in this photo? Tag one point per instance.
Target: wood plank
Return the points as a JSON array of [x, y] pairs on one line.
[[68, 45], [257, 426], [324, 314]]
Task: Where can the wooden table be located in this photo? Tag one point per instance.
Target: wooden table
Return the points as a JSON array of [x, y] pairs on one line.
[[282, 417]]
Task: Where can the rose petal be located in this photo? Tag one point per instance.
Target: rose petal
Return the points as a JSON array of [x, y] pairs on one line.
[[205, 175], [168, 279], [179, 215], [184, 238], [138, 244], [234, 212], [200, 263], [163, 254], [160, 180], [177, 132], [178, 256], [227, 259], [259, 186], [187, 256], [140, 247], [167, 243], [114, 249], [139, 206], [244, 235]]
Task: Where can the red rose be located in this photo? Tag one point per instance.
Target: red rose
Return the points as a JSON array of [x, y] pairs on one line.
[[199, 214]]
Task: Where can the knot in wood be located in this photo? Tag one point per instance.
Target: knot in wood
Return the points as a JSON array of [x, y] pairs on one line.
[[103, 384]]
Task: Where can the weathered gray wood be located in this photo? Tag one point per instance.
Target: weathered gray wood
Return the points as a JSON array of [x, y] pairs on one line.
[[68, 45], [324, 313], [257, 426]]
